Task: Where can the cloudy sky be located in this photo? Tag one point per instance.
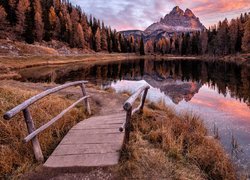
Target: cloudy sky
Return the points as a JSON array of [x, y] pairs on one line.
[[139, 14]]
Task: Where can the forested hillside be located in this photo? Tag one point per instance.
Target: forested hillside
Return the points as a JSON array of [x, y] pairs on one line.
[[222, 39], [46, 20]]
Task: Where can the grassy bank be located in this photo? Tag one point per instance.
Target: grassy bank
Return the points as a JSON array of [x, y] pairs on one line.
[[17, 157], [166, 145]]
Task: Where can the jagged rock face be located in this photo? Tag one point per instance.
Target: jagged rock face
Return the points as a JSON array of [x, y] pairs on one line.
[[177, 21]]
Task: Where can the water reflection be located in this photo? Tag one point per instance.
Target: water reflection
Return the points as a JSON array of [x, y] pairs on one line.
[[172, 77]]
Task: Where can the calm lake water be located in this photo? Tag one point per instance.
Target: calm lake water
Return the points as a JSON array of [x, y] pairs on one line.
[[218, 92]]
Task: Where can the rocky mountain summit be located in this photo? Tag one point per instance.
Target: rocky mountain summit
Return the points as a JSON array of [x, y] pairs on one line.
[[177, 21]]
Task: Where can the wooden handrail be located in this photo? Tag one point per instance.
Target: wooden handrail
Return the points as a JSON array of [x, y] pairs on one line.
[[8, 115], [129, 103], [33, 132], [128, 108], [52, 121]]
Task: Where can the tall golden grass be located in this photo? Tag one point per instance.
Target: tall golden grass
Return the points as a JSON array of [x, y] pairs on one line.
[[17, 157], [166, 145]]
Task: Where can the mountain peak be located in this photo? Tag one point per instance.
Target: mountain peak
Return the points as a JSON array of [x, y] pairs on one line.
[[177, 21], [189, 13], [177, 11]]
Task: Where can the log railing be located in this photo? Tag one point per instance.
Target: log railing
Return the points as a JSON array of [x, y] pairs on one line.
[[33, 132], [128, 105]]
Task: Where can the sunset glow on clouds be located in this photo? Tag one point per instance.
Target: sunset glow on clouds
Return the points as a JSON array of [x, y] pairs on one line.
[[139, 14]]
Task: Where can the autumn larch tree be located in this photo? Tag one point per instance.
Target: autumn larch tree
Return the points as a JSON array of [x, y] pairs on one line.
[[39, 26], [98, 40], [74, 40], [104, 43], [246, 37], [52, 20], [80, 41], [21, 11]]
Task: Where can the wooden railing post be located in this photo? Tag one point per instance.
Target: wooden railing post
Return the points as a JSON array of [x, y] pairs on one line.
[[35, 143], [128, 124], [143, 99], [86, 101]]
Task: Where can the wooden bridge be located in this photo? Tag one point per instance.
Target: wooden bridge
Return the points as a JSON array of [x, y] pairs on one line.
[[96, 141]]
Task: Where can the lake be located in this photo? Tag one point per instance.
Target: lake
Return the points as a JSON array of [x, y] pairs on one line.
[[218, 92]]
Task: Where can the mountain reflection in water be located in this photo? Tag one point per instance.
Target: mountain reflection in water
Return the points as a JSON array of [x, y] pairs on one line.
[[223, 77]]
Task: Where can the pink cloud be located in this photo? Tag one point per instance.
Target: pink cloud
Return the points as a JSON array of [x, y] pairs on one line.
[[221, 6]]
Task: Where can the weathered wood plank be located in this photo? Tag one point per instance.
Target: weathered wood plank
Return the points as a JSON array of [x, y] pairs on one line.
[[78, 138], [93, 131], [99, 126], [85, 160], [86, 149]]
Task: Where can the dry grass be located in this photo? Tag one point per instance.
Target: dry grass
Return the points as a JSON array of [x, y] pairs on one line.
[[165, 145], [16, 157]]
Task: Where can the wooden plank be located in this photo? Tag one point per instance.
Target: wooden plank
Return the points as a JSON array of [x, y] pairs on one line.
[[86, 149], [93, 131], [85, 160], [118, 115], [104, 121], [93, 138], [97, 126]]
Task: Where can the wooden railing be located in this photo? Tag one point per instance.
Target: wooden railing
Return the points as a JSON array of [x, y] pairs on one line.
[[128, 107], [33, 132]]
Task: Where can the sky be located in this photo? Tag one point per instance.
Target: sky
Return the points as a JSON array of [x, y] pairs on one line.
[[139, 14]]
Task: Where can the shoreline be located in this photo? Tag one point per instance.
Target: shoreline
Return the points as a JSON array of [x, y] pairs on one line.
[[10, 64], [22, 62]]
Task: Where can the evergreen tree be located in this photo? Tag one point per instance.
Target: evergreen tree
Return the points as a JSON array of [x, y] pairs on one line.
[[21, 13], [246, 37], [233, 35], [3, 16], [11, 13], [142, 52], [223, 38], [29, 26], [204, 42]]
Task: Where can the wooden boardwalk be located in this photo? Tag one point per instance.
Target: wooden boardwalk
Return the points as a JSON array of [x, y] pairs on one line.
[[93, 142], [96, 141]]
